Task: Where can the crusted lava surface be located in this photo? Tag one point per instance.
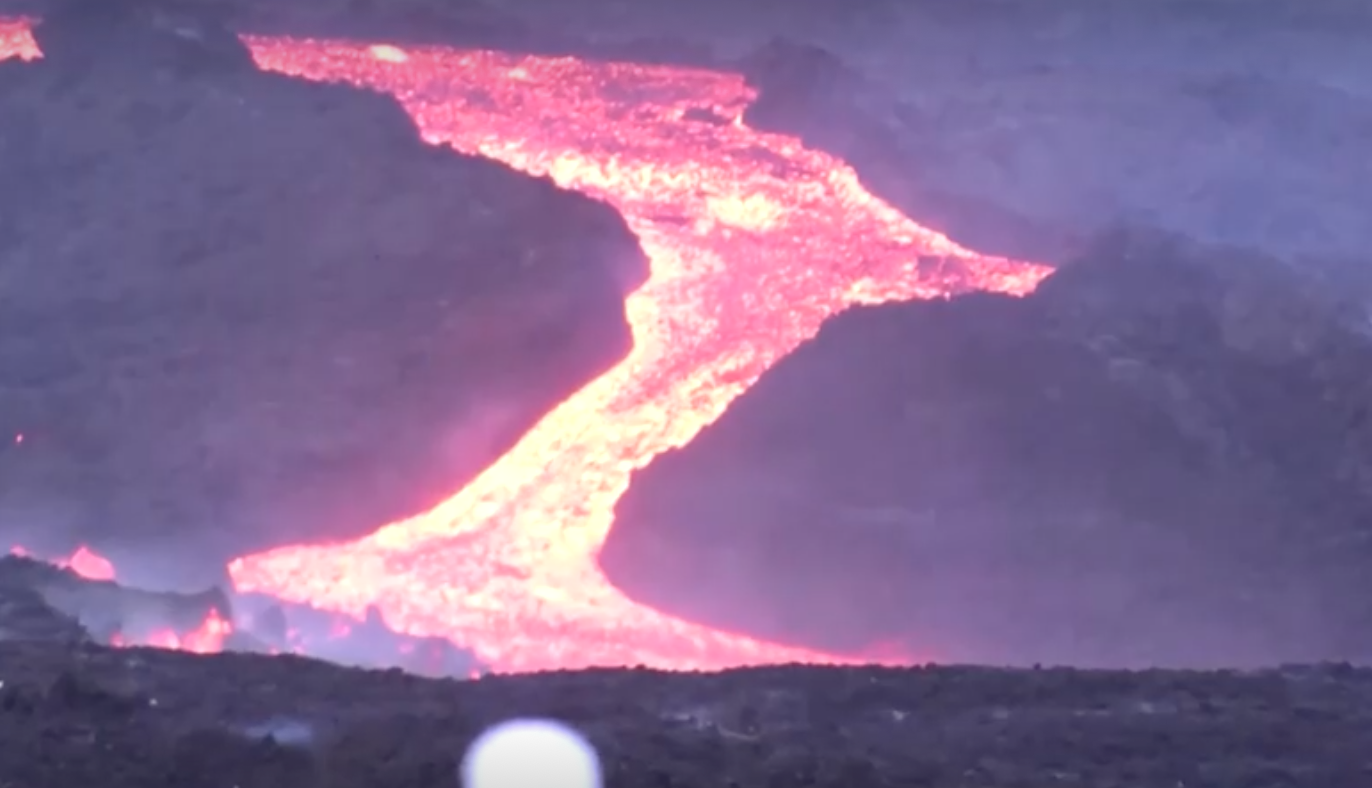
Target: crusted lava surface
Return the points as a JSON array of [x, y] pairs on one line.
[[1161, 456], [241, 309], [83, 715]]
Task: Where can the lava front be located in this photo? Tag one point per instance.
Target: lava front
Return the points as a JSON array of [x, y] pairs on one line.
[[754, 241]]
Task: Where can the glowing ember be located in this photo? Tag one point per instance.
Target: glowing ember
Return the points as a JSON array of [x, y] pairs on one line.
[[754, 240], [90, 565], [84, 562], [208, 638], [15, 40]]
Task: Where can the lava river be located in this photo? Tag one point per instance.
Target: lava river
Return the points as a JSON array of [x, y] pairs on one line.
[[754, 240]]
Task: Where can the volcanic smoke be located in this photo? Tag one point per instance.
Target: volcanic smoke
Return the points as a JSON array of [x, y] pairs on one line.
[[754, 241]]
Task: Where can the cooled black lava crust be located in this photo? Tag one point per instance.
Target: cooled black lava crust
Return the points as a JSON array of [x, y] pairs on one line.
[[151, 719]]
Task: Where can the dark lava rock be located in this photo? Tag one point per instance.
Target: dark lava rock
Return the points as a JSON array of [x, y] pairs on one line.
[[239, 309], [25, 613], [1163, 456], [149, 719], [807, 91], [98, 34]]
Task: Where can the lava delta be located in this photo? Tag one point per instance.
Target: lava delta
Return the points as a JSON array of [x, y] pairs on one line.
[[754, 240]]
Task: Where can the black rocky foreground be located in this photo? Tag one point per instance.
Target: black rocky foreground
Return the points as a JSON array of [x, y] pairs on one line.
[[84, 715], [1162, 456], [240, 309]]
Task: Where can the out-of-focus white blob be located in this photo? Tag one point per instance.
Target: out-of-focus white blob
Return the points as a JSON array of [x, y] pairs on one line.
[[527, 753]]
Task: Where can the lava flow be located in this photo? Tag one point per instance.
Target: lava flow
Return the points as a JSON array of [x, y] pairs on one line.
[[754, 241]]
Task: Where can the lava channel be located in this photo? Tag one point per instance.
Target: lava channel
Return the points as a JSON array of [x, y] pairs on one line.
[[754, 241]]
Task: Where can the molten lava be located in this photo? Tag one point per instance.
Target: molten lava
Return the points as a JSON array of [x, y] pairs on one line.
[[15, 40], [85, 562], [207, 638], [754, 241]]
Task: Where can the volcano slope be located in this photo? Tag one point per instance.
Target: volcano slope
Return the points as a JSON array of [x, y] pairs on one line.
[[83, 715], [1161, 456], [239, 309], [811, 92], [1027, 151]]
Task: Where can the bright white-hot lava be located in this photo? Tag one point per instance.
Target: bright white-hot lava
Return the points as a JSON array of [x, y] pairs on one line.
[[754, 241]]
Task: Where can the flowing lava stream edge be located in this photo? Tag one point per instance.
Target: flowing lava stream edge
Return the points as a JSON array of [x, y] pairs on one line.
[[753, 240]]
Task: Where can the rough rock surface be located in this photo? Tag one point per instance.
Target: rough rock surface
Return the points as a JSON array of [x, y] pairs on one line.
[[239, 309], [26, 615], [146, 719], [1163, 456]]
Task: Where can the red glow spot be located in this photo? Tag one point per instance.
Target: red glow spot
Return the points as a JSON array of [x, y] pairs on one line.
[[15, 40], [207, 638], [90, 564], [339, 627]]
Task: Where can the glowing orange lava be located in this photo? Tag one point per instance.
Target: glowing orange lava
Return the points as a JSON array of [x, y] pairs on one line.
[[208, 638], [15, 40], [84, 562], [754, 241]]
